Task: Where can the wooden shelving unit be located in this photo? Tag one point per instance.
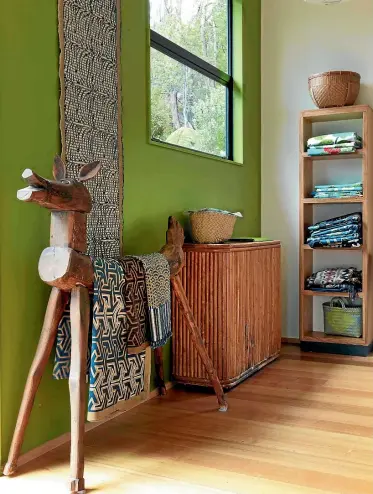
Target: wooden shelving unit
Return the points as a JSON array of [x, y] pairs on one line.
[[311, 338]]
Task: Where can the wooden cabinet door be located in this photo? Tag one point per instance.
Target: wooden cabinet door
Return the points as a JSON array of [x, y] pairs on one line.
[[264, 324], [242, 298]]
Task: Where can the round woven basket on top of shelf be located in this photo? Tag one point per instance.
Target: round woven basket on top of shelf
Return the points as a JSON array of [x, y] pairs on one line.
[[210, 227], [335, 88]]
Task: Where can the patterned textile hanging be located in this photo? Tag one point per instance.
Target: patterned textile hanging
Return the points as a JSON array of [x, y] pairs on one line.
[[90, 106]]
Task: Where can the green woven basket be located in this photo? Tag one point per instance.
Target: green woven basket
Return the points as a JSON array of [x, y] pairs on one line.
[[345, 320]]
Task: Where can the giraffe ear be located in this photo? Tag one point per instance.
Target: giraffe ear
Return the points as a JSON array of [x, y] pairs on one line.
[[59, 169], [89, 171]]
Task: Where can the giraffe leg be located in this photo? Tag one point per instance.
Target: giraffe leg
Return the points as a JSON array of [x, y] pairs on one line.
[[56, 305], [80, 312]]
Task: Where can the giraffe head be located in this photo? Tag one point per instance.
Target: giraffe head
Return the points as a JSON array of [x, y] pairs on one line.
[[60, 194]]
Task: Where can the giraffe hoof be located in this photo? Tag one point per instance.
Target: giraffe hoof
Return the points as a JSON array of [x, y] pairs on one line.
[[77, 486], [10, 469]]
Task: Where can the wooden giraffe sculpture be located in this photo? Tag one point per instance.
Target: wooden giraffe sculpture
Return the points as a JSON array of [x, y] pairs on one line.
[[65, 266]]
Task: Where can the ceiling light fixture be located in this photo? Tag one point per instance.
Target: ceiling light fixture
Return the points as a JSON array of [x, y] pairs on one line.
[[326, 2]]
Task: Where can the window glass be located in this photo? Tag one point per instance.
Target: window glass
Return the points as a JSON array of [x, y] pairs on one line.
[[199, 26], [187, 108]]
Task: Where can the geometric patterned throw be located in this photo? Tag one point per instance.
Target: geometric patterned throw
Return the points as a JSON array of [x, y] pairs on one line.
[[157, 275], [62, 361], [90, 107], [114, 376], [135, 299]]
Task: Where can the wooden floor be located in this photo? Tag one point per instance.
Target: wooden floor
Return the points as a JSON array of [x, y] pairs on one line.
[[304, 425]]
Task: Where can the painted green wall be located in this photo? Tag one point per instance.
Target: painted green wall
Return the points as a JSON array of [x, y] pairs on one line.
[[29, 137], [158, 182]]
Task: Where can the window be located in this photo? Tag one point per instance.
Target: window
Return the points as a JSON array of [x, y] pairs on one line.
[[191, 81]]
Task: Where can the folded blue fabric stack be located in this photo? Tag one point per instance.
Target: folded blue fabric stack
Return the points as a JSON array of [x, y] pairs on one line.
[[343, 231], [338, 191]]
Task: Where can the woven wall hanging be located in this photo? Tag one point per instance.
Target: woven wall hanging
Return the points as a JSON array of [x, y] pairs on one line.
[[90, 106]]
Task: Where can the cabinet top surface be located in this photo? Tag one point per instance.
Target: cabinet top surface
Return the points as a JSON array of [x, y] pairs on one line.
[[232, 246]]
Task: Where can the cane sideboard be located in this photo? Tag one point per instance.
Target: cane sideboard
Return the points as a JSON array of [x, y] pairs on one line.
[[234, 293]]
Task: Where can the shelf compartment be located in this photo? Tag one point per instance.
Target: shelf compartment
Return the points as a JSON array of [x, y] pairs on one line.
[[311, 293], [347, 156], [334, 249], [320, 336], [355, 112], [339, 200]]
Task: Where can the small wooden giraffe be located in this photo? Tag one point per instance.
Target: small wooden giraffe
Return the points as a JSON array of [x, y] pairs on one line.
[[65, 266]]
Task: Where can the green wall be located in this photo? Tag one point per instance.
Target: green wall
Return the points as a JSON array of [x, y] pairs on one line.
[[158, 182], [29, 137]]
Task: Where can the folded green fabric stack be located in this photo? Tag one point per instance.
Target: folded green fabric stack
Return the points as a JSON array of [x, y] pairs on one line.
[[339, 143], [337, 191]]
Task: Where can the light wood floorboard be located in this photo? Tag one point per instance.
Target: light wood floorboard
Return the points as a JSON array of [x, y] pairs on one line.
[[303, 425]]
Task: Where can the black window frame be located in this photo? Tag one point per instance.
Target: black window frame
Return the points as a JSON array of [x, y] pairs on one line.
[[180, 54]]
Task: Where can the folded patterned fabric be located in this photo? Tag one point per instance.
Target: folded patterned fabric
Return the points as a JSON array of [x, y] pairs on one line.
[[336, 195], [337, 191], [336, 238], [114, 376], [339, 288], [340, 188], [343, 231], [337, 138], [336, 279], [356, 144], [157, 275], [356, 185], [353, 240], [135, 300], [337, 231], [325, 151], [334, 276], [339, 220]]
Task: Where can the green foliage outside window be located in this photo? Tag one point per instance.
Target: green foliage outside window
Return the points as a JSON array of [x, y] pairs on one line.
[[187, 108]]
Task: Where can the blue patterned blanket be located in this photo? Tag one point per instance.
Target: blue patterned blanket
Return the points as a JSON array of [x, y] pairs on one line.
[[113, 375], [343, 231]]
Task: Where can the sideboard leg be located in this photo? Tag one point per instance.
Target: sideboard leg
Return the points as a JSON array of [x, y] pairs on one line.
[[56, 306], [80, 313], [195, 334]]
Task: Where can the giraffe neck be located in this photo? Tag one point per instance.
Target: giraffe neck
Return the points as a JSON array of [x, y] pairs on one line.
[[69, 229]]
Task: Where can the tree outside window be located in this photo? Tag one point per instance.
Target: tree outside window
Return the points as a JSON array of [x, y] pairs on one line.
[[191, 85]]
